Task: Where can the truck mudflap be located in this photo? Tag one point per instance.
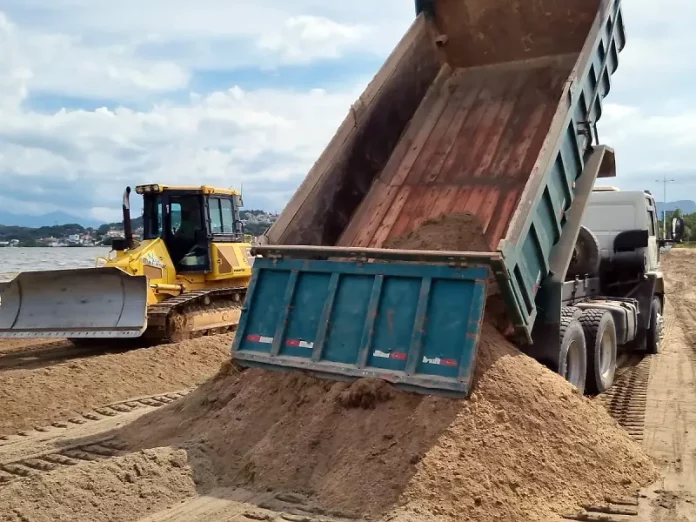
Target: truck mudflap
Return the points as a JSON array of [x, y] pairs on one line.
[[80, 303], [415, 325]]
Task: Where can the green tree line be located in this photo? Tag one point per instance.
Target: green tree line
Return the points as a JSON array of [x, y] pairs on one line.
[[28, 236], [255, 229], [31, 236], [689, 224]]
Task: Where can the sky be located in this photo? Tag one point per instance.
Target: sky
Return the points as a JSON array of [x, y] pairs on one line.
[[96, 95]]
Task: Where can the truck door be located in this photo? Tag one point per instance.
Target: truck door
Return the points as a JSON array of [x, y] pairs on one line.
[[653, 230]]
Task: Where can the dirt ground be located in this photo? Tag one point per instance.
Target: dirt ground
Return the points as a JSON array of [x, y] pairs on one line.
[[44, 383], [126, 488], [365, 448], [670, 417], [255, 445], [346, 450], [8, 346]]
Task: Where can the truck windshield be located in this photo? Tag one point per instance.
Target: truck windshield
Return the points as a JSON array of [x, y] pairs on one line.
[[152, 216]]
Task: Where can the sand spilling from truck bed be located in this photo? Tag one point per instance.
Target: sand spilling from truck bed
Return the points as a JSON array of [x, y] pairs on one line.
[[524, 446], [455, 232], [460, 232], [50, 383]]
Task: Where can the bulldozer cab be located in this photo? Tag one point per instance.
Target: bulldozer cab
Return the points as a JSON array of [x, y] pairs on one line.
[[188, 219]]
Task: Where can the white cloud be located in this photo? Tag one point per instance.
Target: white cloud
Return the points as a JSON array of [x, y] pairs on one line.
[[650, 145], [79, 160], [63, 64], [144, 57], [264, 139], [306, 38], [213, 34], [204, 19]]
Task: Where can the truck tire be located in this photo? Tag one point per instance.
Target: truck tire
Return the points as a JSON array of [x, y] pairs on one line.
[[571, 311], [572, 357], [654, 333], [586, 256], [600, 334]]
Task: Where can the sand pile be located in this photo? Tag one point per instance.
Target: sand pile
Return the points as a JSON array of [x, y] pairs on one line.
[[119, 489], [523, 447], [457, 232], [59, 383]]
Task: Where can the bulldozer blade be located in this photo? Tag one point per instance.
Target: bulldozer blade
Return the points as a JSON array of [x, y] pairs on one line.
[[81, 303]]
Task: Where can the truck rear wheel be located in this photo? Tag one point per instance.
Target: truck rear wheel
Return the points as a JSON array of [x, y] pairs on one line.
[[586, 256], [653, 343], [600, 334], [572, 360], [571, 311]]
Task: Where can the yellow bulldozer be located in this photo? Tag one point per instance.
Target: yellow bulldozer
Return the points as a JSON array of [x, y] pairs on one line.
[[188, 276]]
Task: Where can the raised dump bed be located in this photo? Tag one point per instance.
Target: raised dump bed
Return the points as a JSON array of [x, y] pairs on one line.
[[485, 107]]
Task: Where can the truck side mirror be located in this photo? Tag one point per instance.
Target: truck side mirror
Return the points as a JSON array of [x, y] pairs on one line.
[[629, 240], [677, 231]]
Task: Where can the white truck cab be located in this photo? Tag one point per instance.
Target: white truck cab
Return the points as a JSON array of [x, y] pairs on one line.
[[611, 211]]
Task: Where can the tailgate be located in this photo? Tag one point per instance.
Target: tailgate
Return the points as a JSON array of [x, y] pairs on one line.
[[415, 325]]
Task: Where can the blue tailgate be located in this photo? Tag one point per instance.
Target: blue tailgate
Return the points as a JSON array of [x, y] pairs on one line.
[[415, 325]]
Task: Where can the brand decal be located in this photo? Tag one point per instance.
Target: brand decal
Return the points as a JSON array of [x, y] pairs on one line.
[[439, 361], [151, 259]]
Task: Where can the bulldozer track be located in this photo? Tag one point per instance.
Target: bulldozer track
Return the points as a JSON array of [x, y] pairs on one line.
[[108, 410], [163, 328], [30, 466], [26, 454], [626, 399]]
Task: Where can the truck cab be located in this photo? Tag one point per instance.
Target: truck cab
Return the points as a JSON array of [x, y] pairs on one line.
[[611, 212]]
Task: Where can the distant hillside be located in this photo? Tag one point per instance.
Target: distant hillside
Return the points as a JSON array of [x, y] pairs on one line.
[[686, 206], [44, 220], [255, 222]]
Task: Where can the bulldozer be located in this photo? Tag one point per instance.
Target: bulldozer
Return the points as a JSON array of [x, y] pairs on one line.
[[186, 277]]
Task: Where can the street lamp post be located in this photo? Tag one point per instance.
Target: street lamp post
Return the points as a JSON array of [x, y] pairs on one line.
[[664, 182]]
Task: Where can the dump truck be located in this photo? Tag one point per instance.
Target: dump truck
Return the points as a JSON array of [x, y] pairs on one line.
[[487, 108], [187, 277]]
